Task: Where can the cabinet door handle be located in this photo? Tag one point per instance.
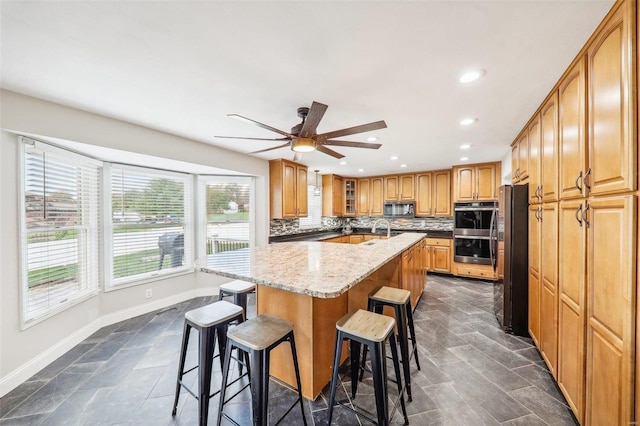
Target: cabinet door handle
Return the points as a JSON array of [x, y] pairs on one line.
[[584, 214], [578, 216], [540, 196], [578, 182], [587, 187]]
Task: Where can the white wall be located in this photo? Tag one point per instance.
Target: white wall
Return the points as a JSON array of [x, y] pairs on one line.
[[24, 352], [506, 169]]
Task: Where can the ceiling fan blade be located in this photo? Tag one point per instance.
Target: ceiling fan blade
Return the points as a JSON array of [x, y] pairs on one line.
[[331, 152], [353, 130], [316, 112], [253, 139], [269, 149], [352, 144], [257, 123]]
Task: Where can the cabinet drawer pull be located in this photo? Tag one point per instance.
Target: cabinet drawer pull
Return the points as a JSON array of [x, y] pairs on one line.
[[578, 215], [578, 182]]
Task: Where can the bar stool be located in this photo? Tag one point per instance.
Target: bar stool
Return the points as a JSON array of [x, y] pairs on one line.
[[372, 330], [400, 301], [258, 336], [211, 321], [239, 290]]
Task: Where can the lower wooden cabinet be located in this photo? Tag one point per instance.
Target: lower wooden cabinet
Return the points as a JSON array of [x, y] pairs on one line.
[[437, 255], [549, 286], [474, 271], [610, 310], [413, 271], [572, 249], [534, 273]]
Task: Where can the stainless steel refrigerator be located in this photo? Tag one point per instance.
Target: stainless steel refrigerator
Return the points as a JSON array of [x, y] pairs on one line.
[[511, 233]]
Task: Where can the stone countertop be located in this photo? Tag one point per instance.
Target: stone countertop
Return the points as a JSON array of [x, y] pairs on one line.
[[309, 267], [323, 235]]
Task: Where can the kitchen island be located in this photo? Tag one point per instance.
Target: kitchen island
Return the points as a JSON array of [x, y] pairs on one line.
[[313, 284]]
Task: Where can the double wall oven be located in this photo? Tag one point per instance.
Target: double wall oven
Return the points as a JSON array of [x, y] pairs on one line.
[[474, 232]]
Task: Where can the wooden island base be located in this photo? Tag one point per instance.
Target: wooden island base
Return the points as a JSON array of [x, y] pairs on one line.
[[314, 322]]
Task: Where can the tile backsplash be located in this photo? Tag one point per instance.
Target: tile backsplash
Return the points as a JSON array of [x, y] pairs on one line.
[[328, 223]]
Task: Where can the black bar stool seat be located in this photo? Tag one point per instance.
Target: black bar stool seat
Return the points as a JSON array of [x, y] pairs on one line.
[[212, 322], [258, 336], [400, 301], [373, 330]]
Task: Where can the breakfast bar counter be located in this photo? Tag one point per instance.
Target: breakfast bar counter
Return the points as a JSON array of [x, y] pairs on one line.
[[313, 284]]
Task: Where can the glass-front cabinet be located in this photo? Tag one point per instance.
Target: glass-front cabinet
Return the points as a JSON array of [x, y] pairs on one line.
[[349, 197]]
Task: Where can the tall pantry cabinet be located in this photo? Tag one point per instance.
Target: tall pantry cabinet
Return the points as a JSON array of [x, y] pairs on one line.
[[583, 226], [611, 220]]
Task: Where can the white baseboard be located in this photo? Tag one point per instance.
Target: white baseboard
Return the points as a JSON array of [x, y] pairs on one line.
[[31, 367]]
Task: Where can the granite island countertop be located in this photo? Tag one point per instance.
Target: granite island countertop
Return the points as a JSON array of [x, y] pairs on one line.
[[313, 268]]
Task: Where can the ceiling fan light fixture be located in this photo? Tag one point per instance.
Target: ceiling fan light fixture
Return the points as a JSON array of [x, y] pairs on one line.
[[303, 145]]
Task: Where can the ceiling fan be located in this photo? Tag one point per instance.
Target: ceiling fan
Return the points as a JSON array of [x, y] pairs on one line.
[[303, 136]]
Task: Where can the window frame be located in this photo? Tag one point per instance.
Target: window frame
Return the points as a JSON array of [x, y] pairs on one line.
[[114, 284], [93, 267], [201, 207]]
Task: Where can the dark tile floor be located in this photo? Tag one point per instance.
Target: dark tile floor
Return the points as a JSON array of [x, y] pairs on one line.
[[472, 374]]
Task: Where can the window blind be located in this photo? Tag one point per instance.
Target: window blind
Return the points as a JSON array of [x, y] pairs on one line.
[[151, 222], [228, 211], [60, 225], [314, 204]]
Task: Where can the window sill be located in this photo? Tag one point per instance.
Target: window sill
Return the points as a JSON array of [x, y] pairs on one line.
[[63, 307], [147, 280]]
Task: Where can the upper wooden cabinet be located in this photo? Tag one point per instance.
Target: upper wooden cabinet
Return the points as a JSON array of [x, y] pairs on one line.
[[376, 201], [477, 182], [520, 158], [549, 147], [399, 188], [332, 195], [433, 193], [535, 174], [288, 184], [369, 198], [611, 84], [571, 132]]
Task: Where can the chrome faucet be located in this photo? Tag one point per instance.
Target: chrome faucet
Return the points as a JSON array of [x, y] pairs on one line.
[[373, 230]]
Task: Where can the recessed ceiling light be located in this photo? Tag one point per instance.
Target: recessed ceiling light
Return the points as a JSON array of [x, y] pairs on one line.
[[395, 157], [464, 158], [467, 121], [470, 76], [403, 165], [343, 163], [465, 146], [361, 170], [372, 139]]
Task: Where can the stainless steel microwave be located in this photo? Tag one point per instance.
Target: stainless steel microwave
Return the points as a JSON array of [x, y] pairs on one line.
[[399, 209]]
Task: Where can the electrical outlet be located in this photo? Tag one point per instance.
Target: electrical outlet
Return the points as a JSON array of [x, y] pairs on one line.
[[423, 223], [149, 293]]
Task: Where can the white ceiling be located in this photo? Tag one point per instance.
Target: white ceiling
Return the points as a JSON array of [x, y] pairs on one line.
[[181, 67]]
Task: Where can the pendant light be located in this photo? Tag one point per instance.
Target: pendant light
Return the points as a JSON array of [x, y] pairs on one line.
[[317, 190]]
